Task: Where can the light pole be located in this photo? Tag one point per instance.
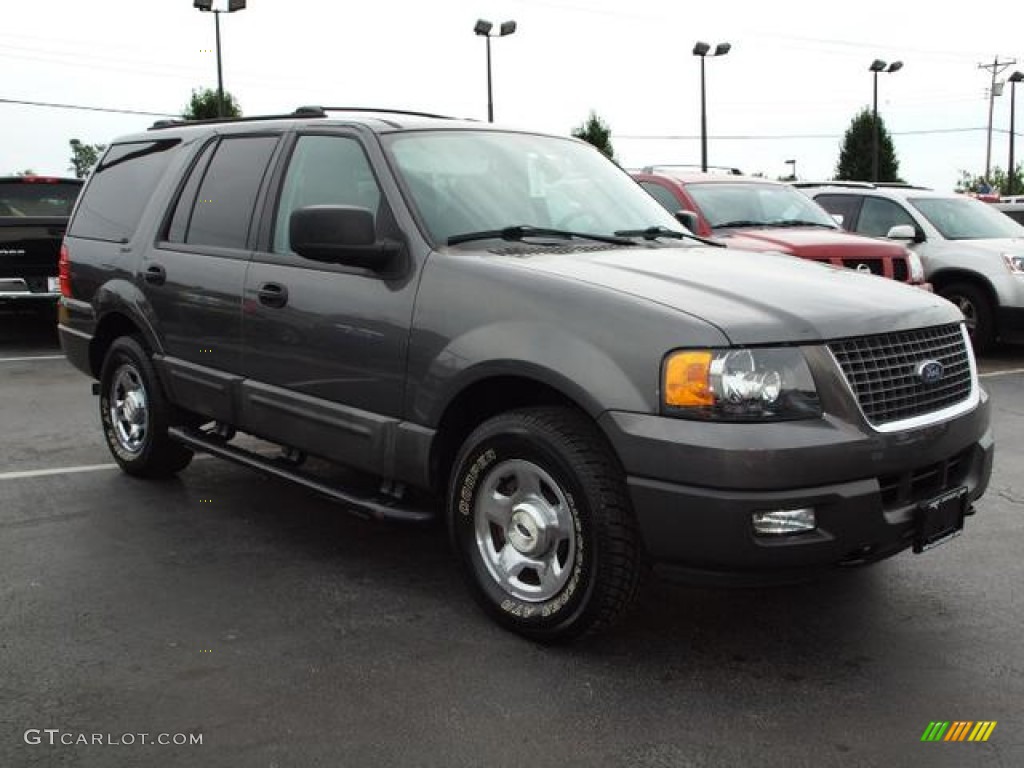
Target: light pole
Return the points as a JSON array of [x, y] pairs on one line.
[[207, 7], [702, 49], [878, 66], [1011, 172], [483, 28]]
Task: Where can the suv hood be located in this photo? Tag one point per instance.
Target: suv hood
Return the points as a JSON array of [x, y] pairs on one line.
[[753, 298], [812, 243]]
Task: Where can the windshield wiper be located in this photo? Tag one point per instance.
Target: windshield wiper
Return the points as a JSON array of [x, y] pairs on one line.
[[738, 223], [521, 231], [798, 223], [652, 233]]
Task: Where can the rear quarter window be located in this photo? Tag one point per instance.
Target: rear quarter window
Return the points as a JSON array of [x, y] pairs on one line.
[[119, 189]]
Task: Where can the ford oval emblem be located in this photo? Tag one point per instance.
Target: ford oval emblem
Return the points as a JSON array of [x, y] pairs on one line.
[[930, 371]]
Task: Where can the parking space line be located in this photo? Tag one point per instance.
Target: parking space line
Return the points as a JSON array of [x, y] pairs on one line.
[[26, 359], [992, 374], [58, 471]]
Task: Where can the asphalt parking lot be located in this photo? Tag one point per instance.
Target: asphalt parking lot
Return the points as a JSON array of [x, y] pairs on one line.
[[287, 633]]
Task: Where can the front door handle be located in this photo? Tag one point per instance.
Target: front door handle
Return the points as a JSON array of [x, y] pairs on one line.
[[155, 274], [273, 294]]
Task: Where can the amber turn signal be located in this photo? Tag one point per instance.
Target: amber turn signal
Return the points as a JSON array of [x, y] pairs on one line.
[[687, 379]]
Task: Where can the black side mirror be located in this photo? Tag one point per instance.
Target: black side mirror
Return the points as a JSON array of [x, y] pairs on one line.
[[339, 234], [688, 219]]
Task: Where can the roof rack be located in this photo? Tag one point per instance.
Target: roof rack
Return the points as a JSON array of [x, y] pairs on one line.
[[729, 170], [304, 111], [858, 184]]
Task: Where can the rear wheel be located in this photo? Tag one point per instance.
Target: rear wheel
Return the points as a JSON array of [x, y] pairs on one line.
[[978, 312], [135, 414], [542, 524]]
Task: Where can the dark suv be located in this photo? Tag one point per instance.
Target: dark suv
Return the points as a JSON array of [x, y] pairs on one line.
[[501, 329]]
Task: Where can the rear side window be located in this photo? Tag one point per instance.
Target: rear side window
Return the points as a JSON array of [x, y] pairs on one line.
[[663, 196], [119, 189], [222, 210], [846, 206]]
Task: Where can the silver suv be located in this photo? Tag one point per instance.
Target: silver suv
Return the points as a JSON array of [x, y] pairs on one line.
[[973, 254]]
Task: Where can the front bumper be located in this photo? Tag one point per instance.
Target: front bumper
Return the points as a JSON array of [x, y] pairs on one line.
[[695, 487]]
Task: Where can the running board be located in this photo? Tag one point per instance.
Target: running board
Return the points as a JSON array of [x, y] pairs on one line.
[[381, 508]]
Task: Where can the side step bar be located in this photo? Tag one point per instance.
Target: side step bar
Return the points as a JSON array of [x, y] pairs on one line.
[[381, 508]]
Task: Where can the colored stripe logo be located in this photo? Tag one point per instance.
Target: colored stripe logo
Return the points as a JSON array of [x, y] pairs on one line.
[[958, 730]]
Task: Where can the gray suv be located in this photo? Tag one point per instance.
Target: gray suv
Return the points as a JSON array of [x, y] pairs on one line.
[[972, 253], [502, 330]]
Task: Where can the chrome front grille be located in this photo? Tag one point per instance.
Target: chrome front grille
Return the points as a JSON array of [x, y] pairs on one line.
[[884, 372]]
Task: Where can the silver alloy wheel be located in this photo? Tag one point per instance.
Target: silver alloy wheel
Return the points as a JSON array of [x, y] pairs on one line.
[[970, 312], [524, 530], [129, 409]]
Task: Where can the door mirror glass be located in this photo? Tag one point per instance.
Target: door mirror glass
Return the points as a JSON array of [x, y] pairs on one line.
[[688, 219]]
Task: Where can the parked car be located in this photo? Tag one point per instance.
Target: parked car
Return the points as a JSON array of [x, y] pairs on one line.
[[1015, 210], [973, 255], [761, 215], [501, 329], [34, 212]]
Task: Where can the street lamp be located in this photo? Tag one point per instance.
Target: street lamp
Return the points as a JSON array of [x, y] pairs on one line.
[[483, 28], [878, 66], [702, 50], [1011, 173], [207, 7]]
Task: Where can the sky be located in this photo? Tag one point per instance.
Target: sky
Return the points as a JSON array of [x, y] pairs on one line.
[[795, 77]]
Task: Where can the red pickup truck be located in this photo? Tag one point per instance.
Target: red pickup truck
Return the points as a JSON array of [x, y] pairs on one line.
[[34, 213], [761, 215]]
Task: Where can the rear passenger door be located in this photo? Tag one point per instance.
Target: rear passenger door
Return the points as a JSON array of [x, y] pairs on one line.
[[325, 344], [193, 277]]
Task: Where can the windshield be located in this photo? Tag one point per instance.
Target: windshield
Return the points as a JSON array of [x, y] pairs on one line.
[[757, 205], [464, 182], [964, 218]]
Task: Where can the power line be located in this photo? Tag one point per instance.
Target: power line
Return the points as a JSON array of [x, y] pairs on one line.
[[769, 137], [86, 109]]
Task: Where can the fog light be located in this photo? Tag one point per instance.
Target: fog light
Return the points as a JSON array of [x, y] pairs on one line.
[[779, 522]]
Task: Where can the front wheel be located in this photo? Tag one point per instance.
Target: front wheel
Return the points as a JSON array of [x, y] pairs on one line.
[[978, 312], [135, 414], [542, 525]]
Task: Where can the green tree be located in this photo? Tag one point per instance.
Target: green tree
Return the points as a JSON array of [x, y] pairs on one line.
[[998, 181], [857, 148], [204, 105], [26, 172], [84, 157], [596, 131]]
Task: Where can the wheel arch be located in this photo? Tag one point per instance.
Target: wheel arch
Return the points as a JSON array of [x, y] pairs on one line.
[[482, 399]]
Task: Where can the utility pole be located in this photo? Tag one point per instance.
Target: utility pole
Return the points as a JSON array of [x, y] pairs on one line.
[[996, 67]]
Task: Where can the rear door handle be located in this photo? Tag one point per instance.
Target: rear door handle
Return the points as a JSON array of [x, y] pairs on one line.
[[273, 294], [155, 274]]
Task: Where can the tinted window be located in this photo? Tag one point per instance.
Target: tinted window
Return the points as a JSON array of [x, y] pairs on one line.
[[840, 205], [178, 226], [223, 208], [878, 216], [663, 196], [119, 189], [325, 170], [32, 196]]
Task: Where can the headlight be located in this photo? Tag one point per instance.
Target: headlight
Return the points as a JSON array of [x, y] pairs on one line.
[[1014, 263], [916, 267], [769, 384]]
